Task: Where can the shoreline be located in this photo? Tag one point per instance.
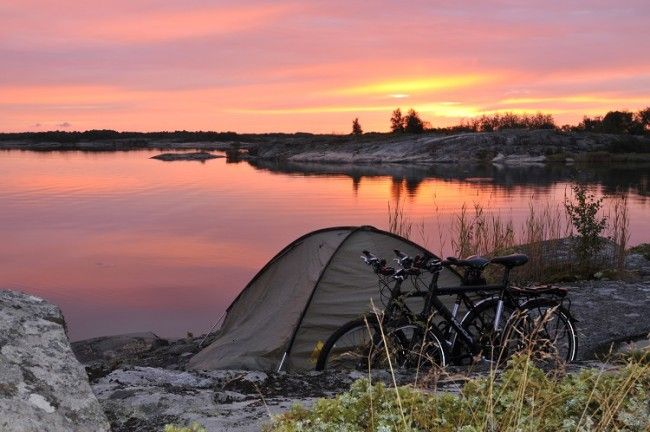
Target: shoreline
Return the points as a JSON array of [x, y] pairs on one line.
[[509, 147]]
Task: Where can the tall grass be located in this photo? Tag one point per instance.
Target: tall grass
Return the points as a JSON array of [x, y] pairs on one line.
[[619, 230], [543, 236], [398, 222]]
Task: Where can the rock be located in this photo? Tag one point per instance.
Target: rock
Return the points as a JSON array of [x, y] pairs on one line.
[[638, 263], [608, 312], [518, 159], [42, 386], [111, 347], [145, 399], [195, 156]]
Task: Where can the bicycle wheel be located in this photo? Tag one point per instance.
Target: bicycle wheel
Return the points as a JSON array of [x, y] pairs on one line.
[[543, 329], [350, 346], [479, 323], [362, 345]]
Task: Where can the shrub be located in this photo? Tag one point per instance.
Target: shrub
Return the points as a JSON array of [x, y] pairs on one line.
[[523, 398], [583, 213]]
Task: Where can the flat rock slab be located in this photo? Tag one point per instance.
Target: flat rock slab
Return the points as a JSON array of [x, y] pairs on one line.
[[144, 399], [42, 386], [111, 347], [609, 312]]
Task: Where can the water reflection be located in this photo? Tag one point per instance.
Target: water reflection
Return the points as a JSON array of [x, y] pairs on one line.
[[614, 178], [124, 243]]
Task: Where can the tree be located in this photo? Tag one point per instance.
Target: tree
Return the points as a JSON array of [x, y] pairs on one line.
[[643, 118], [397, 121], [356, 127], [618, 122], [413, 123]]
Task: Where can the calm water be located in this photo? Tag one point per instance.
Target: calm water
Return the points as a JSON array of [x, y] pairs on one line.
[[124, 243]]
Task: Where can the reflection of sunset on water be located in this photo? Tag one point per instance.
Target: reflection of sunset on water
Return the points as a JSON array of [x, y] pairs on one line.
[[125, 243]]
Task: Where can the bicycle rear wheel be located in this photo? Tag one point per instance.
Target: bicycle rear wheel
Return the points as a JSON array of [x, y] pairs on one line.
[[543, 329]]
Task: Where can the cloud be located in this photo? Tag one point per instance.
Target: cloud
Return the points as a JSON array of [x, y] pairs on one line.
[[64, 125]]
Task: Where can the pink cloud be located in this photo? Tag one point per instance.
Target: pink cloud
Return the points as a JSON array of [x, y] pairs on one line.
[[260, 66]]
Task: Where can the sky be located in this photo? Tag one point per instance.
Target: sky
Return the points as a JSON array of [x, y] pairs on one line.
[[313, 66]]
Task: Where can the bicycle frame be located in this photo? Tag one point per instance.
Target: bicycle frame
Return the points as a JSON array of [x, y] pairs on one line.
[[433, 303]]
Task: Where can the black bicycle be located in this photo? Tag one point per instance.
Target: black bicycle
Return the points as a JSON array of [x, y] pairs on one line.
[[499, 319]]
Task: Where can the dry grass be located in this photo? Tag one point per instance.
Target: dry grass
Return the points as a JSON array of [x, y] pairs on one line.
[[398, 222], [474, 230]]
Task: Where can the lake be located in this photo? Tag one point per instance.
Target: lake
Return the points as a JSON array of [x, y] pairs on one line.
[[124, 243]]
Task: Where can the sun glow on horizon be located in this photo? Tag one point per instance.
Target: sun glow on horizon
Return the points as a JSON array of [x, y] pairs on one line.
[[289, 66]]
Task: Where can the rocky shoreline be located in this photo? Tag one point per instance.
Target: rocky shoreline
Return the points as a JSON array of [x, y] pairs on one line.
[[138, 382], [508, 147]]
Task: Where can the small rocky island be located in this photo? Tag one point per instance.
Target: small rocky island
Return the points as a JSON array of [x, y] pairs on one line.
[[194, 156]]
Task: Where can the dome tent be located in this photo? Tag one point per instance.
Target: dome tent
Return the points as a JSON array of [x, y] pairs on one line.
[[300, 297]]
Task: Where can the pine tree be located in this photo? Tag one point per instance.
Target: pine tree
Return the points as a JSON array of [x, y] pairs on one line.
[[356, 127], [397, 121]]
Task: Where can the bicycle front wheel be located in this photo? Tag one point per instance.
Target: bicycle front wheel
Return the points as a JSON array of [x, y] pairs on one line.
[[350, 346]]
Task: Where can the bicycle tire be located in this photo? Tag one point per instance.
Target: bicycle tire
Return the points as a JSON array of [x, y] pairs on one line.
[[479, 322], [545, 329], [363, 325], [366, 348]]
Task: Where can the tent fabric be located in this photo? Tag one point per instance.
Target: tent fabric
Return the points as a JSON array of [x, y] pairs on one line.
[[302, 296]]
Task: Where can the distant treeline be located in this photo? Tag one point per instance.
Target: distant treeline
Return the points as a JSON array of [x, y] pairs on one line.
[[614, 122]]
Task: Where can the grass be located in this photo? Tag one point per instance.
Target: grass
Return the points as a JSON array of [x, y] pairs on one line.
[[522, 398], [541, 235]]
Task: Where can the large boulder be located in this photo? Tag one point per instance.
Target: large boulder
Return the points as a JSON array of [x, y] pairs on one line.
[[42, 385]]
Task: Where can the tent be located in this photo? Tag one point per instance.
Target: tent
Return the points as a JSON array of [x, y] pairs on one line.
[[302, 296]]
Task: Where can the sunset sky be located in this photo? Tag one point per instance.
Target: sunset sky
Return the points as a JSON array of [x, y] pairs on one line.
[[262, 66]]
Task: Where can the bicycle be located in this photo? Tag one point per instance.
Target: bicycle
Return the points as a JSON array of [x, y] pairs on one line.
[[413, 340]]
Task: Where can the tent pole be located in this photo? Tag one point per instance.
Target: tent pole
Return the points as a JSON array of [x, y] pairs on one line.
[[212, 329], [284, 356]]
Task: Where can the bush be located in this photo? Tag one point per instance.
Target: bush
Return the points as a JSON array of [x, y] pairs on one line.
[[523, 398], [510, 120], [583, 213]]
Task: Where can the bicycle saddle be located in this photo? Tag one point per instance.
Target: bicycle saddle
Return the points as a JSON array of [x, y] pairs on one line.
[[475, 262], [510, 261]]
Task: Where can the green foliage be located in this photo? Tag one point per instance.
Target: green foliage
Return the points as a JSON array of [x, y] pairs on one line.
[[523, 399], [356, 127], [583, 212], [194, 427]]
